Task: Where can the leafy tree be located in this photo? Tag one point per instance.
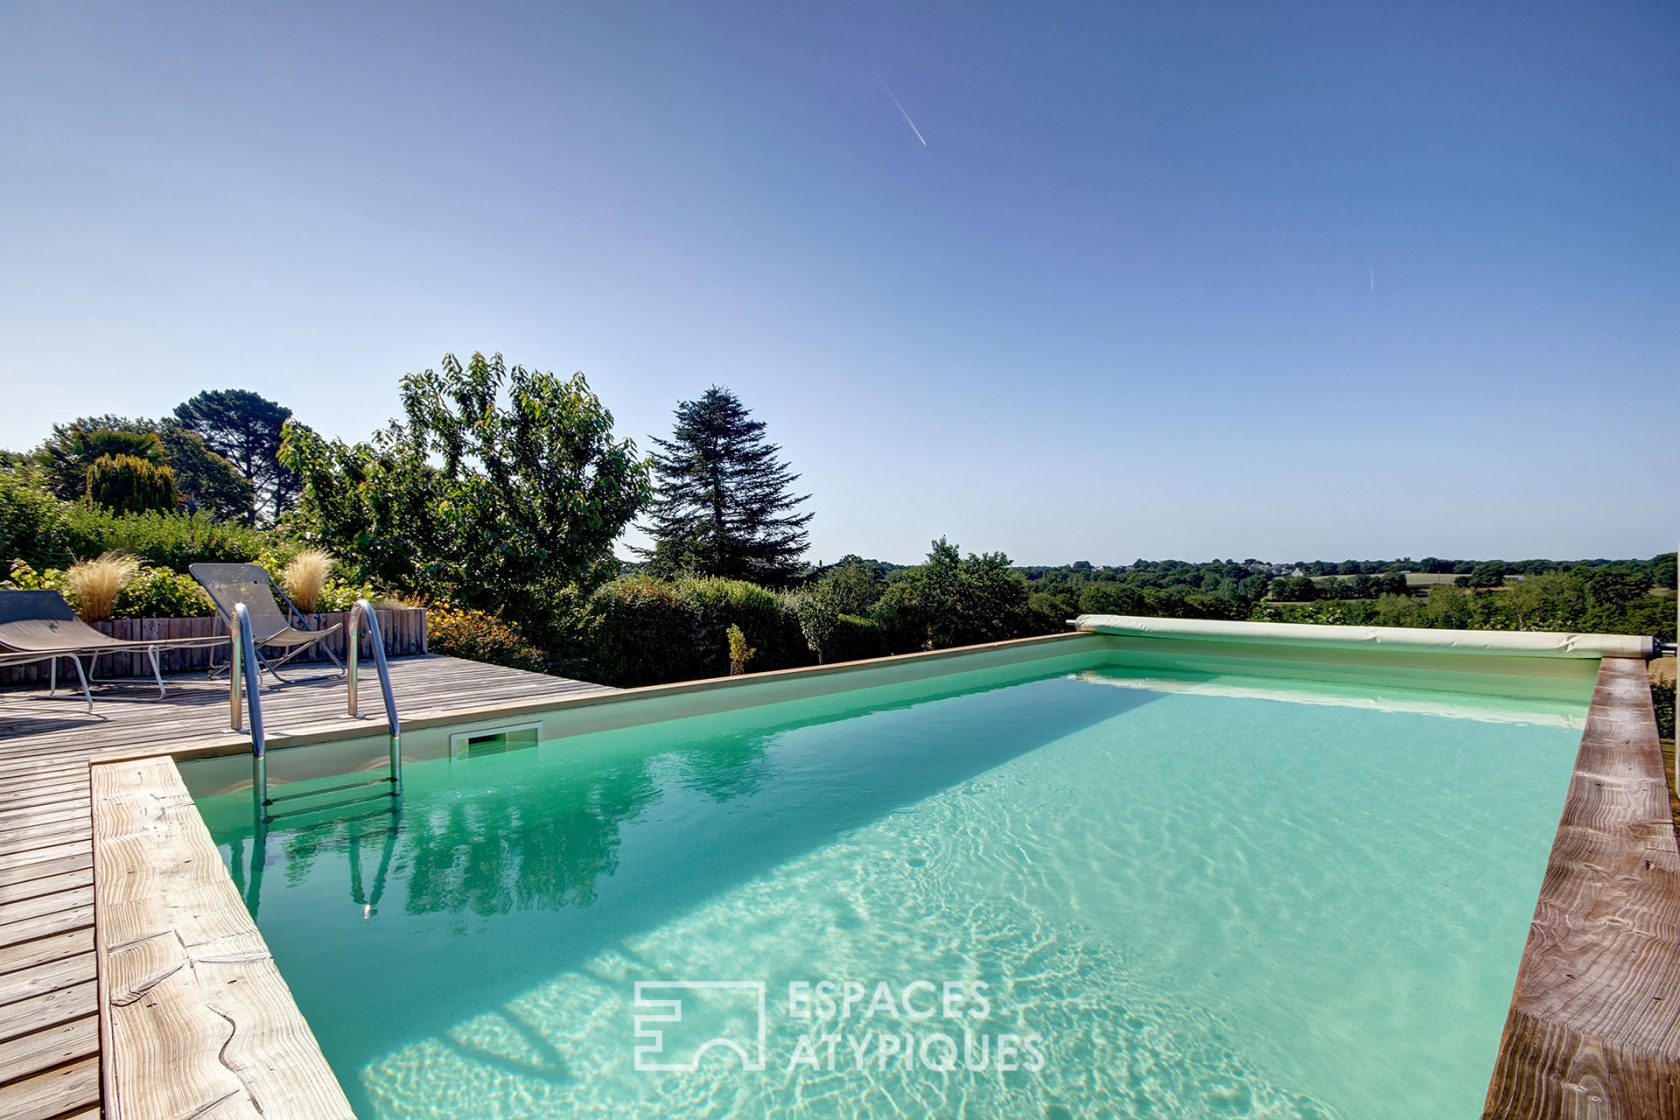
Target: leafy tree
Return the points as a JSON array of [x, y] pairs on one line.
[[245, 428], [818, 609], [950, 601], [206, 481], [509, 508], [130, 484], [1111, 598], [31, 519], [854, 585], [1447, 608], [72, 448], [723, 504]]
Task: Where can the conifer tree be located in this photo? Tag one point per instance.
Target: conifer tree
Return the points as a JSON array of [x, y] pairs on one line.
[[723, 502]]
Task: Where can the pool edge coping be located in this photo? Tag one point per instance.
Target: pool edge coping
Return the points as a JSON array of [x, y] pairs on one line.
[[1593, 1027]]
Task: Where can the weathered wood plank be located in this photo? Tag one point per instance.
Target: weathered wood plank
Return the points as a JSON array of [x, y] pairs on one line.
[[53, 1093], [25, 908], [196, 1014], [18, 861], [42, 949], [17, 881], [47, 977], [1594, 1024], [23, 1057], [45, 925], [37, 1013], [50, 884], [37, 818]]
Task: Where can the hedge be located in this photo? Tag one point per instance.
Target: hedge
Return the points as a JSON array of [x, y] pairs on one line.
[[644, 631]]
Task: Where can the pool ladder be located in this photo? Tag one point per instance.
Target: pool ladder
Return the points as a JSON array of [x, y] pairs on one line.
[[244, 677]]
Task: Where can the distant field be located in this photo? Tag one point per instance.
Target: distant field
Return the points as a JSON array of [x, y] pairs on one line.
[[1413, 579]]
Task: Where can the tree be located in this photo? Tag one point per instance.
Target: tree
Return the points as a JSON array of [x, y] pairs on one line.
[[72, 448], [509, 508], [206, 481], [31, 520], [818, 610], [723, 504], [1111, 598], [245, 428], [950, 601], [852, 585], [130, 484]]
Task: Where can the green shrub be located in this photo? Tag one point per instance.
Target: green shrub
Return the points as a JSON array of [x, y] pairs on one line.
[[130, 484], [26, 578], [856, 638], [1112, 598], [338, 595], [161, 593], [167, 540], [31, 520], [478, 636], [952, 601], [640, 630]]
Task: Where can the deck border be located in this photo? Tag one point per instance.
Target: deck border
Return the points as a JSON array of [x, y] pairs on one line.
[[1594, 1024], [194, 1014]]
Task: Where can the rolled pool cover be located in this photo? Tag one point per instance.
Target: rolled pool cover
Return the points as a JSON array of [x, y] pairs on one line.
[[1397, 638]]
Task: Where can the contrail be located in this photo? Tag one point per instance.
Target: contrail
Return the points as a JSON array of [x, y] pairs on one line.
[[1373, 270], [901, 111]]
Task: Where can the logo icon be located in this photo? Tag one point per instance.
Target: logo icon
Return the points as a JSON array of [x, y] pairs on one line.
[[678, 1021]]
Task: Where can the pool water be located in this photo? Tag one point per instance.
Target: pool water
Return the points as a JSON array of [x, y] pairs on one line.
[[1053, 897]]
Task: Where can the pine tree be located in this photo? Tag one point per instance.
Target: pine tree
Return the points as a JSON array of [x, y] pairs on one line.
[[722, 500]]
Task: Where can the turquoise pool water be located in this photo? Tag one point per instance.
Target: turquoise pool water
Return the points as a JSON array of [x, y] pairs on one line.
[[1088, 894]]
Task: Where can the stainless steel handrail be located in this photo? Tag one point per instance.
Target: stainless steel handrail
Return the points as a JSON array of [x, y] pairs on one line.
[[243, 672], [363, 611]]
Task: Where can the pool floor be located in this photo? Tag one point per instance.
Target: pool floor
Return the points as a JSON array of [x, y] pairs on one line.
[[1054, 898]]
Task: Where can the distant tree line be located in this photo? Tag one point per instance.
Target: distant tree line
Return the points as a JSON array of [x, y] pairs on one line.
[[497, 497]]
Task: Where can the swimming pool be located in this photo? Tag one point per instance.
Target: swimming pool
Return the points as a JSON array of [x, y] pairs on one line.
[[1088, 885]]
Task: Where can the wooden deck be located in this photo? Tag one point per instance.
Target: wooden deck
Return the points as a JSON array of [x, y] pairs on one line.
[[49, 1025], [1594, 1025]]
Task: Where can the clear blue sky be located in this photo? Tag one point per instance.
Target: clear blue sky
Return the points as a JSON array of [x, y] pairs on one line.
[[1278, 280]]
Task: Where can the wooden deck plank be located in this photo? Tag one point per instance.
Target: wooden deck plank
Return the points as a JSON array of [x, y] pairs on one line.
[[24, 862], [49, 884], [1594, 1024], [16, 882], [45, 836], [50, 948], [45, 925], [23, 1057], [23, 909], [37, 1013], [48, 1095], [46, 857], [48, 976], [196, 1013]]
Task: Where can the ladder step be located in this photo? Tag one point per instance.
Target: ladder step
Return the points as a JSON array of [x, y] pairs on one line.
[[386, 810], [319, 790]]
